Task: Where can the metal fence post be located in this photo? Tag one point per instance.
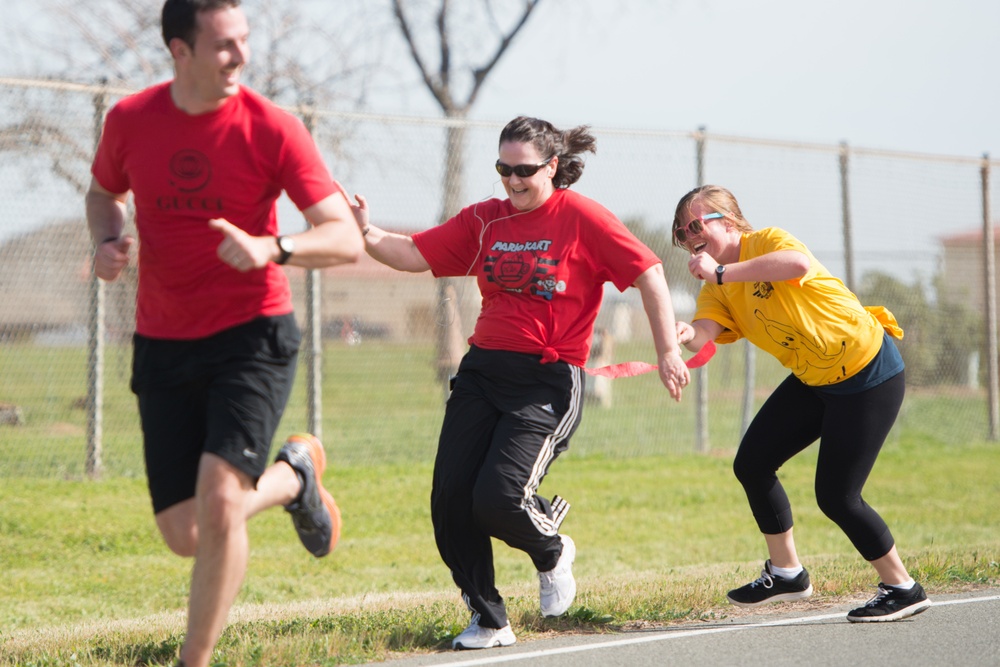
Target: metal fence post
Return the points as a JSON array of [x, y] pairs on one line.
[[845, 212], [312, 336], [94, 465], [990, 296]]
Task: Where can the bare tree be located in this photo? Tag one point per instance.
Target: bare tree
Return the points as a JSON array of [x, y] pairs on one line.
[[455, 46], [118, 40], [28, 136], [459, 62]]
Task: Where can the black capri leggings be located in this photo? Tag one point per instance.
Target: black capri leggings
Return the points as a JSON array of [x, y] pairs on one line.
[[851, 429]]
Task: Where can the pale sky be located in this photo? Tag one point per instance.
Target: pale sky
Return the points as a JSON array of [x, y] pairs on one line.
[[907, 75], [903, 75]]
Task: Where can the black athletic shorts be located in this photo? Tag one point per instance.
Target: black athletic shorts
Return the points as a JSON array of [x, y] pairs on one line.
[[223, 394]]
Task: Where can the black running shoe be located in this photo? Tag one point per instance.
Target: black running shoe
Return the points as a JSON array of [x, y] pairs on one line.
[[771, 588], [891, 604], [314, 513]]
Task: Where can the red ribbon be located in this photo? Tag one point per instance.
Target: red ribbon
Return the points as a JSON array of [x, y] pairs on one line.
[[629, 369]]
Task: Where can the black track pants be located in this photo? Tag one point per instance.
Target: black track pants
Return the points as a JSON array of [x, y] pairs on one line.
[[509, 416]]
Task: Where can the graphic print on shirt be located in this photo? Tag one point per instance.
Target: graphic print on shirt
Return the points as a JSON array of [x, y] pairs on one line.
[[190, 172], [763, 290], [807, 353], [518, 267]]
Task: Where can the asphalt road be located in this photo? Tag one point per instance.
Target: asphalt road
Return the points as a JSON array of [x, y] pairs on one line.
[[961, 629]]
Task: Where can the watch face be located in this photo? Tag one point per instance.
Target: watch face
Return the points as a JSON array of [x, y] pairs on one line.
[[286, 244]]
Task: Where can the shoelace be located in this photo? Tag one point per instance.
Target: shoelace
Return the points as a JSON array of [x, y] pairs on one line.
[[882, 594], [764, 580]]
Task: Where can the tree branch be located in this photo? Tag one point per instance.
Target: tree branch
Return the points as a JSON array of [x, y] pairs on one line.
[[404, 27], [28, 138], [479, 75], [444, 70]]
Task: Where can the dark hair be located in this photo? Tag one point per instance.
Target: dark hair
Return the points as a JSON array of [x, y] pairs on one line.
[[550, 142], [179, 18]]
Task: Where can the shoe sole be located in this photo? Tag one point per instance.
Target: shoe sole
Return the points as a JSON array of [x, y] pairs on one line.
[[496, 644], [781, 597], [912, 610], [318, 456]]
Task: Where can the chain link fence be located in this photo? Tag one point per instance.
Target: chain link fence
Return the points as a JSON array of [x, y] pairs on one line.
[[903, 230]]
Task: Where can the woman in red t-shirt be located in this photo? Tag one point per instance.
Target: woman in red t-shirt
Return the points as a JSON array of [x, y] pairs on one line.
[[541, 258]]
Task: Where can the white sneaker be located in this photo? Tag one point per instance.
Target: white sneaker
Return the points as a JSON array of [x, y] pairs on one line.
[[475, 636], [557, 587]]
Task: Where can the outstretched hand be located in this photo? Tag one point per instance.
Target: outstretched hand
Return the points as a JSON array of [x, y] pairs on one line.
[[674, 374], [685, 332], [240, 250]]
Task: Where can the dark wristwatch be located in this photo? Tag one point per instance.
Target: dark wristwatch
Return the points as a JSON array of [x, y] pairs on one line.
[[287, 246], [719, 270]]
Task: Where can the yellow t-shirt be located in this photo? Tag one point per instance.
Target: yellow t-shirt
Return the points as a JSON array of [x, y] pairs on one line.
[[813, 325]]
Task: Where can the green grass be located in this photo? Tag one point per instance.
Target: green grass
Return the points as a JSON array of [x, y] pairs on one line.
[[662, 532], [87, 581], [382, 405]]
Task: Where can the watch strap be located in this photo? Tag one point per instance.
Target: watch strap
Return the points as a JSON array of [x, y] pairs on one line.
[[285, 254]]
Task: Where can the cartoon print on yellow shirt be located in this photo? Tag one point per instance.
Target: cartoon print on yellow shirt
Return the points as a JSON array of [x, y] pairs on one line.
[[763, 290], [806, 352]]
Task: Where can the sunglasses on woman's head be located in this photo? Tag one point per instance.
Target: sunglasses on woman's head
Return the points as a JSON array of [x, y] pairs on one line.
[[522, 170], [696, 226]]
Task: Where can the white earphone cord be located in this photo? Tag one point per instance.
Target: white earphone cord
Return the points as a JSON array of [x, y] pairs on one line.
[[446, 316]]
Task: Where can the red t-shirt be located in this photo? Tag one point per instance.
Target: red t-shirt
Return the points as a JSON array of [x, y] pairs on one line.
[[541, 273], [183, 170]]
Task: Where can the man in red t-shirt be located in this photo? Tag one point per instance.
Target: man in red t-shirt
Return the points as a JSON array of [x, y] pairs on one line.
[[216, 341]]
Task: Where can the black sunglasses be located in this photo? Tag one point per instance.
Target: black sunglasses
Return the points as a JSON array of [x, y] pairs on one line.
[[522, 170]]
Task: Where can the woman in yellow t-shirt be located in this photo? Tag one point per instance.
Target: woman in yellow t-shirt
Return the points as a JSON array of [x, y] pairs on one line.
[[845, 389]]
